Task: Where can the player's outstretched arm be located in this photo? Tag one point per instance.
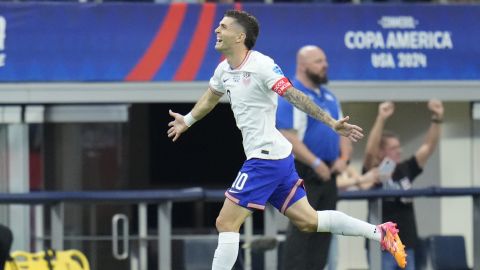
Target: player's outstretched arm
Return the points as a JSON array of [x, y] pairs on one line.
[[353, 132], [303, 102], [204, 105]]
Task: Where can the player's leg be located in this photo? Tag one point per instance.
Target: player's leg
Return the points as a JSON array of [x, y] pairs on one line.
[[290, 199], [250, 190], [336, 222], [309, 220], [228, 224], [308, 251]]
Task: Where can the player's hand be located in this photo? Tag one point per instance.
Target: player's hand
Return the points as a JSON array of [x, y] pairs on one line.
[[177, 126], [386, 109], [350, 131], [323, 171], [436, 107]]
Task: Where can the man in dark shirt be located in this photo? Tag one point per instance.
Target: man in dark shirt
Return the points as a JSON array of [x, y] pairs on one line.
[[382, 144]]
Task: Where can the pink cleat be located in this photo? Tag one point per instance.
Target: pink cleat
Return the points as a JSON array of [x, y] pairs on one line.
[[391, 242]]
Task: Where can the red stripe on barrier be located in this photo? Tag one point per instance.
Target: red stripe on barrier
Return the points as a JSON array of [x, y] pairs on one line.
[[161, 45], [193, 58]]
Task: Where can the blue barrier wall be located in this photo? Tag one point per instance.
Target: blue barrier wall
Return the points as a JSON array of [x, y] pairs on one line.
[[149, 42]]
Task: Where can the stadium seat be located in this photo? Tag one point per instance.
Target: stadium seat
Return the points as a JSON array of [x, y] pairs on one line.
[[447, 252], [421, 254]]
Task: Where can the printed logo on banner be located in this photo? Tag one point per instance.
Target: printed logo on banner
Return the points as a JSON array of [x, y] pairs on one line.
[[3, 36], [401, 22], [400, 44]]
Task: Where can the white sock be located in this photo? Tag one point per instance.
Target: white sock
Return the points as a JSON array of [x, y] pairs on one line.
[[227, 251], [339, 223]]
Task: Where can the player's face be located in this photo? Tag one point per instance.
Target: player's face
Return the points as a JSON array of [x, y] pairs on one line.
[[392, 149], [316, 67], [228, 34]]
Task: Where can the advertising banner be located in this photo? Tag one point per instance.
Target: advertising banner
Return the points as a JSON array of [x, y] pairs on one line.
[[154, 42]]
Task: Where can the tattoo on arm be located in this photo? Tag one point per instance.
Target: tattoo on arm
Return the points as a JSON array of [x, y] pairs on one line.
[[305, 104]]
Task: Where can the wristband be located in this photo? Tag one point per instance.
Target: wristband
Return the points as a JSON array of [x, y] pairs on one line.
[[189, 120], [315, 163]]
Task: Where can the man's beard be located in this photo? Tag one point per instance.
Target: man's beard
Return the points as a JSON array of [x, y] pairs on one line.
[[315, 78]]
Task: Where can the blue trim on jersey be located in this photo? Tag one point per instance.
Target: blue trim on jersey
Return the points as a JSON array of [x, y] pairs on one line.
[[319, 138]]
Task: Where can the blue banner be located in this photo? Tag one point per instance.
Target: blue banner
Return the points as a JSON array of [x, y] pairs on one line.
[[152, 42]]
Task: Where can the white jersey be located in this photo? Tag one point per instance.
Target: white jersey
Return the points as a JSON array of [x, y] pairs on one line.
[[252, 90]]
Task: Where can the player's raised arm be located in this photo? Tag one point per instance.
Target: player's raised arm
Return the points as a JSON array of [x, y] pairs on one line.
[[204, 105], [303, 102]]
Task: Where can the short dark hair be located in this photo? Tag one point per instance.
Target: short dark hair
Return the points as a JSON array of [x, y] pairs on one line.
[[387, 134], [249, 23]]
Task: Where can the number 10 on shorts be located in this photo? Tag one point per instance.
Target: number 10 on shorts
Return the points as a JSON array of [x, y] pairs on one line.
[[239, 182]]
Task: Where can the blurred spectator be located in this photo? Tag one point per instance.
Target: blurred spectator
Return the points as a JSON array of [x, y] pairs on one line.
[[352, 179], [381, 145]]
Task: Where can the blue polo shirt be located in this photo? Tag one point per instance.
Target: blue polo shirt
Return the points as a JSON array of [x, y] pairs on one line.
[[318, 137]]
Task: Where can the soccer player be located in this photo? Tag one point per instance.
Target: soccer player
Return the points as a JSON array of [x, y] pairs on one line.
[[252, 80]]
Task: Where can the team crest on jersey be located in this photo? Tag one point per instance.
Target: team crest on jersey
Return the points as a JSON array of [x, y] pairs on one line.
[[236, 78], [246, 78], [277, 70]]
